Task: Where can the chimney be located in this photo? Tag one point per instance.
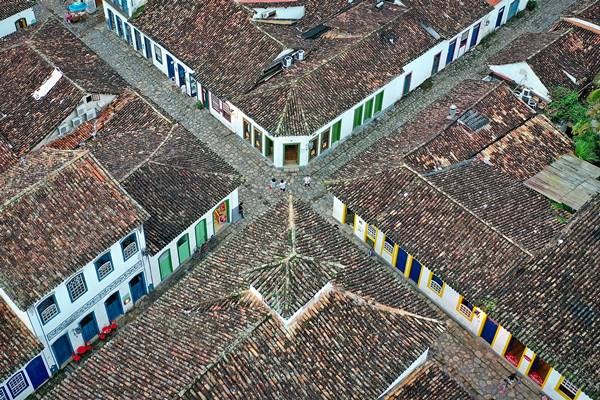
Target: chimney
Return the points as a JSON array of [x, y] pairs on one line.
[[452, 113]]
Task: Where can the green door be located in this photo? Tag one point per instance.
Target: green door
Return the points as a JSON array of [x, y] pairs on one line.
[[358, 114], [165, 265], [336, 132], [200, 233], [368, 109], [183, 248], [378, 102]]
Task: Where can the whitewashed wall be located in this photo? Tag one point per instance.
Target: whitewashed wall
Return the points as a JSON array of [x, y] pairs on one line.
[[7, 25], [93, 299], [29, 388], [233, 198], [522, 74]]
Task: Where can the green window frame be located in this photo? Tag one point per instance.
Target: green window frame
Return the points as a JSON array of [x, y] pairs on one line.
[[368, 109], [183, 248], [165, 265], [378, 102], [358, 114], [336, 132]]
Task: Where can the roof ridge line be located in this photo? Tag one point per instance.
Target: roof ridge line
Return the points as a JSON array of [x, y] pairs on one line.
[[202, 171], [135, 92], [79, 153], [446, 126], [559, 36], [148, 159], [355, 178], [384, 307], [468, 211]]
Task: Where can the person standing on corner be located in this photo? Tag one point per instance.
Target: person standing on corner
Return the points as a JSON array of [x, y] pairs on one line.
[[282, 185], [273, 184], [307, 181], [241, 209]]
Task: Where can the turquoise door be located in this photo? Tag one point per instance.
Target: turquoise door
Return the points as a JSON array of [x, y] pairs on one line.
[[200, 233], [183, 248], [512, 10], [165, 265]]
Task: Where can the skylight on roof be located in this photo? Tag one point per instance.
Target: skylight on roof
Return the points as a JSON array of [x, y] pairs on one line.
[[473, 120]]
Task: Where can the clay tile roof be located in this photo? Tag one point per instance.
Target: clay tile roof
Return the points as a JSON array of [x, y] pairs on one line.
[[39, 52], [505, 203], [8, 8], [585, 9], [65, 196], [553, 56], [318, 356], [429, 382], [436, 229], [18, 345], [552, 303], [160, 164], [481, 124], [210, 317], [527, 149]]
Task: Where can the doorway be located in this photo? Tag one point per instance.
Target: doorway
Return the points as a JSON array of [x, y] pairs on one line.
[[181, 75], [170, 67], [148, 47], [20, 24], [165, 265], [37, 372], [113, 306], [137, 286], [221, 216], [200, 233], [119, 26], [111, 20], [291, 154], [89, 327], [512, 9], [62, 349], [499, 19], [183, 248]]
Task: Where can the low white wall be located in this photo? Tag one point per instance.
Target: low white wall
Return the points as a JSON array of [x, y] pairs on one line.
[[7, 25]]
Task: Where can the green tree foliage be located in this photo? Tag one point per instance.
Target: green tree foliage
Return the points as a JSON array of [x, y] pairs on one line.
[[565, 106]]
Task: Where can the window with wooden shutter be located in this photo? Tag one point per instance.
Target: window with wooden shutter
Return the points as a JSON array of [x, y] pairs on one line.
[[378, 102], [336, 132], [358, 113]]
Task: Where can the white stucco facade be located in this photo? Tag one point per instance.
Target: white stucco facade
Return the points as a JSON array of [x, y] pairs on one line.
[[523, 75], [449, 300], [11, 24], [419, 70]]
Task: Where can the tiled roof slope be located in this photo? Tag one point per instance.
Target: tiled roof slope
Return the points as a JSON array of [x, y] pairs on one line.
[[458, 141], [319, 357], [303, 99], [429, 382], [7, 156], [8, 8], [528, 149], [341, 68], [38, 53], [439, 232], [572, 50], [585, 9], [174, 176], [57, 215], [448, 18], [17, 344], [552, 303], [501, 201], [431, 122], [204, 317]]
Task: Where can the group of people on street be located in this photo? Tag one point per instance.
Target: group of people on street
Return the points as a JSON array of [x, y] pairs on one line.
[[273, 185]]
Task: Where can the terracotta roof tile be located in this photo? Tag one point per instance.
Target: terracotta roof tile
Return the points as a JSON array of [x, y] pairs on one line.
[[17, 344], [8, 8], [552, 304], [64, 196]]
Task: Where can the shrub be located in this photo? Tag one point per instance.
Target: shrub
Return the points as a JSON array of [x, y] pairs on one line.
[[532, 5], [565, 105], [199, 105], [586, 147], [138, 11]]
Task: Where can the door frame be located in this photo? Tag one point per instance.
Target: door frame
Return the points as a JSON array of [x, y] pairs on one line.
[[66, 334], [143, 283], [93, 314], [285, 146], [118, 298]]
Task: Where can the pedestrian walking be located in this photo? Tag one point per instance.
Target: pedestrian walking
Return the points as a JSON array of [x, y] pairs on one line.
[[273, 184], [241, 209], [307, 181], [282, 185]]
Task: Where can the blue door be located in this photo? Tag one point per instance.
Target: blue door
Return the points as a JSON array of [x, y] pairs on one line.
[[181, 74], [451, 50], [499, 19], [137, 286], [127, 32], [37, 372], [170, 67], [415, 271], [512, 10], [475, 35], [138, 40], [110, 21], [113, 306], [89, 327], [401, 260], [62, 349], [489, 330], [148, 47], [119, 26]]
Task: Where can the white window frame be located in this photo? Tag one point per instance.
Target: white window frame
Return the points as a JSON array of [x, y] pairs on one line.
[[19, 387], [76, 292]]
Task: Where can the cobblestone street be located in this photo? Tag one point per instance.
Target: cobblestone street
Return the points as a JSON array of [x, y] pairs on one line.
[[468, 358]]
